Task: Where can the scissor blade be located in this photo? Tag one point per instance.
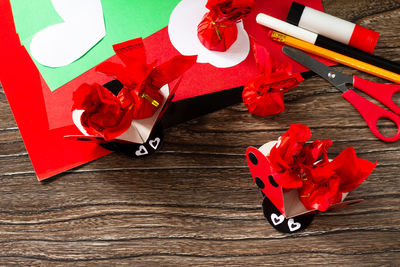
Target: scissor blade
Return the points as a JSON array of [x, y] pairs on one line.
[[337, 79]]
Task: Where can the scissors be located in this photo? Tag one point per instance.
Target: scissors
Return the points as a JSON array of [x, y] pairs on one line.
[[369, 111]]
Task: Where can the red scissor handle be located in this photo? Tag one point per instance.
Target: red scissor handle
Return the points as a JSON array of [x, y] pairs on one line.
[[382, 92], [372, 113]]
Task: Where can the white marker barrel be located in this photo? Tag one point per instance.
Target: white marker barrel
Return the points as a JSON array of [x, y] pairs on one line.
[[332, 27], [287, 28]]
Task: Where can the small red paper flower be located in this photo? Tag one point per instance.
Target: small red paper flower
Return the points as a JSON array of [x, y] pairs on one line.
[[103, 113], [310, 154], [320, 195], [325, 182], [283, 156], [264, 95], [218, 31], [142, 81], [108, 115]]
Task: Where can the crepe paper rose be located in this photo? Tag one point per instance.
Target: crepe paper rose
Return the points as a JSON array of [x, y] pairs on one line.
[[141, 81], [218, 31], [103, 113], [282, 157], [264, 95], [325, 182]]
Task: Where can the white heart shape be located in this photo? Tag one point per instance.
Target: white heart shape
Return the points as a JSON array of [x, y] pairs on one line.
[[154, 143], [293, 226], [61, 44], [142, 151], [182, 30], [277, 219]]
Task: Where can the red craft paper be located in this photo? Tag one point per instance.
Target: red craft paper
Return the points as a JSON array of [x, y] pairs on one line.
[[28, 94], [23, 86]]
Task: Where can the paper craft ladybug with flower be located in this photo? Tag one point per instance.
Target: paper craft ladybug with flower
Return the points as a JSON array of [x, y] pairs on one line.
[[299, 181], [124, 114]]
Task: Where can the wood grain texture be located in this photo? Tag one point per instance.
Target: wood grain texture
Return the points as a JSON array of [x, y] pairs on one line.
[[194, 202]]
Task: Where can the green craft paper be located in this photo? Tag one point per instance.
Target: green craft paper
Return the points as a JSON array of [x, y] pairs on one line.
[[124, 20]]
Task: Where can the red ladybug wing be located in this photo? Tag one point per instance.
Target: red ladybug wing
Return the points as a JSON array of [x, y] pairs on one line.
[[261, 173]]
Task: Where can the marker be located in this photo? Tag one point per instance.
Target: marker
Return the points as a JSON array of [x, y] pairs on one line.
[[332, 27], [327, 43], [331, 55]]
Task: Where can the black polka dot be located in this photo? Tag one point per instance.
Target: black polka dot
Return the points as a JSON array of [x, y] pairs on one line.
[[260, 183], [272, 181], [253, 158]]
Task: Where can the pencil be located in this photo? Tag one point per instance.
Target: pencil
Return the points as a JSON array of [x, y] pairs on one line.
[[331, 55], [325, 42]]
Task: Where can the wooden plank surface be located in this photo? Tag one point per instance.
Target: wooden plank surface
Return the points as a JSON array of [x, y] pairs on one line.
[[194, 202]]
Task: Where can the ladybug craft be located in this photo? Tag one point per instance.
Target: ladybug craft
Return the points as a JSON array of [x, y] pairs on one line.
[[124, 114], [300, 180]]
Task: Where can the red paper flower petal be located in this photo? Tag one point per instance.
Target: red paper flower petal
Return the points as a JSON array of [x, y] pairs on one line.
[[319, 196], [352, 170], [283, 155], [310, 154]]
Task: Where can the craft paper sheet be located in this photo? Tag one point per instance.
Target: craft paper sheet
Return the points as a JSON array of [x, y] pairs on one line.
[[63, 43], [124, 20], [44, 138]]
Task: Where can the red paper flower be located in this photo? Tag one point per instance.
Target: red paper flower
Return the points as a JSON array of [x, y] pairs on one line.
[[264, 95], [310, 154], [325, 182], [103, 113], [108, 115], [218, 31], [283, 156], [142, 81]]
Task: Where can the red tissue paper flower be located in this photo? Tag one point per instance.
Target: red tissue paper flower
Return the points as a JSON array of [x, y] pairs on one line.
[[108, 115], [283, 156], [103, 113], [326, 182], [264, 95], [142, 81], [218, 31], [321, 183]]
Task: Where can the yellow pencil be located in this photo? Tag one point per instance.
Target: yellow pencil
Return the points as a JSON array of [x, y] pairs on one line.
[[339, 58]]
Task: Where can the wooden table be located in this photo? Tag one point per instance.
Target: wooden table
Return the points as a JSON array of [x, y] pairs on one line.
[[194, 202]]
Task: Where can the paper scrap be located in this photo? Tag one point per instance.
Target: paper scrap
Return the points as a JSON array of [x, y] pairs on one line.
[[61, 44]]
